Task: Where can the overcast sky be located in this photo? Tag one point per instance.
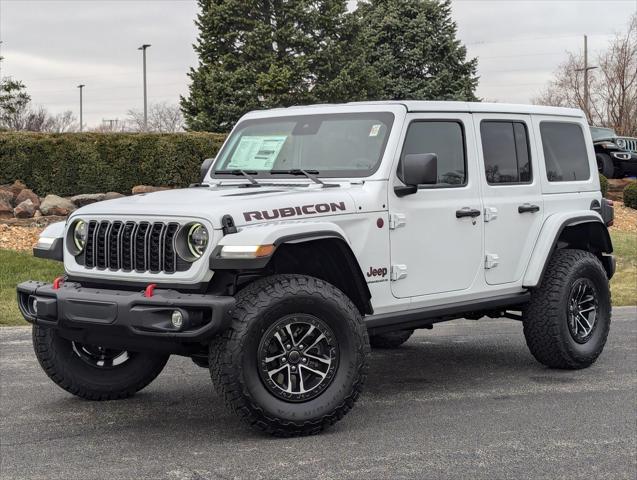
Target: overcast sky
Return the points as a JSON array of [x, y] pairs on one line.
[[53, 45]]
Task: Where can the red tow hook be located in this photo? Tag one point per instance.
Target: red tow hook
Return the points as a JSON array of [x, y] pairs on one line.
[[57, 282], [150, 289]]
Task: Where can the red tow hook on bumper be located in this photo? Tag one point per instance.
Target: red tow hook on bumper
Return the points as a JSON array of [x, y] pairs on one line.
[[57, 282], [150, 289]]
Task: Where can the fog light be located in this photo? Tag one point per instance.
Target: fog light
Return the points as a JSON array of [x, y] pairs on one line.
[[34, 305], [177, 319]]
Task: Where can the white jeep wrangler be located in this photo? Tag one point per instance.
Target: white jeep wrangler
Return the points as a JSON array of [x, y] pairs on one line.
[[317, 231]]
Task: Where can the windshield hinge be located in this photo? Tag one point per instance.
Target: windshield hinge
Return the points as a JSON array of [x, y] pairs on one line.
[[397, 220]]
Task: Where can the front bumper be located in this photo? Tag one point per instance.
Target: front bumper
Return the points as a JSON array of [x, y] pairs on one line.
[[125, 319]]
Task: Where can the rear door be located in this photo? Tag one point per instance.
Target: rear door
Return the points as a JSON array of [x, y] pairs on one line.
[[513, 206]]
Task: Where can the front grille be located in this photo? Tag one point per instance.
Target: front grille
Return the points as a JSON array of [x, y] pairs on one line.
[[128, 246], [631, 144]]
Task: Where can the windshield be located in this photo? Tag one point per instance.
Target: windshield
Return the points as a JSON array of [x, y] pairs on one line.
[[331, 145], [600, 133]]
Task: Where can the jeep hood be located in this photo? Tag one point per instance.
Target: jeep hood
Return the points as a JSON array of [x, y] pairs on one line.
[[245, 205]]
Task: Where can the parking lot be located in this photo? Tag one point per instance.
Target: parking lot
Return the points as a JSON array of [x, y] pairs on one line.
[[464, 400]]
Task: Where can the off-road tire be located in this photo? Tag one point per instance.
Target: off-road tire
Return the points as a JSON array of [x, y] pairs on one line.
[[545, 318], [234, 365], [605, 165], [60, 362], [390, 340]]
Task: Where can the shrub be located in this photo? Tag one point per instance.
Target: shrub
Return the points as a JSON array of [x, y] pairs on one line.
[[630, 195], [603, 185], [74, 163]]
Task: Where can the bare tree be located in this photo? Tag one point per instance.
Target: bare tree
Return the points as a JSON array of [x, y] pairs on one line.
[[162, 117], [64, 122], [616, 85], [612, 86]]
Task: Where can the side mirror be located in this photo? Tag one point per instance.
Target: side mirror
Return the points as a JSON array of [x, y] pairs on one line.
[[203, 170], [418, 169]]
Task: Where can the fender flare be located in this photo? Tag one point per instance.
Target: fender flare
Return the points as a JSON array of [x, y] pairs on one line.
[[548, 239], [271, 234]]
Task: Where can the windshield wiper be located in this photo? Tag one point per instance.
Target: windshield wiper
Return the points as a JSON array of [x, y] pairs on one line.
[[311, 174], [246, 173]]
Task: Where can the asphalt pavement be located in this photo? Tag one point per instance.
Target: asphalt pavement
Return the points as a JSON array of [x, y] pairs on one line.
[[464, 400]]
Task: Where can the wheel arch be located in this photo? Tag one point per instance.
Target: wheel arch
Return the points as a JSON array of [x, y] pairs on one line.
[[318, 249], [583, 231]]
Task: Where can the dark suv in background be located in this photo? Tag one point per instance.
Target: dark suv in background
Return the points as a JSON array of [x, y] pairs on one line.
[[616, 156]]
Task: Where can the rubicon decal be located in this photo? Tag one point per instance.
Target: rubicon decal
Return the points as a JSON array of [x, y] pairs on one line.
[[294, 211]]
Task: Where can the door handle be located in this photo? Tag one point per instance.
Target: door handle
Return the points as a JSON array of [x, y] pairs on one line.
[[528, 208], [467, 212]]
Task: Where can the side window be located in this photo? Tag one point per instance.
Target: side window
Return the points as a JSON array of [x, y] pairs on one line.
[[565, 152], [445, 139], [505, 148]]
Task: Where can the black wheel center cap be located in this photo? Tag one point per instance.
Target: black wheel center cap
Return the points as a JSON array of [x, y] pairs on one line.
[[294, 357]]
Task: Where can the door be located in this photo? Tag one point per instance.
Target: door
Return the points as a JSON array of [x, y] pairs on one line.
[[512, 197], [436, 232]]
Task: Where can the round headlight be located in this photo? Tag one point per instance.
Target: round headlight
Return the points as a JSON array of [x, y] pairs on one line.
[[621, 143], [197, 239], [80, 234]]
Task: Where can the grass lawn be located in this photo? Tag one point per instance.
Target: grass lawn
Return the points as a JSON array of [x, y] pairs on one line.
[[16, 267]]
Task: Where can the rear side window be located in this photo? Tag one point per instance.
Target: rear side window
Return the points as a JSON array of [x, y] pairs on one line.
[[446, 140], [505, 148], [565, 152]]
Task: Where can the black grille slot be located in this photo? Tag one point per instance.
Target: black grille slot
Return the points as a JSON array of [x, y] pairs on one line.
[[89, 249], [141, 252], [101, 245], [128, 246], [155, 254], [170, 256], [114, 236]]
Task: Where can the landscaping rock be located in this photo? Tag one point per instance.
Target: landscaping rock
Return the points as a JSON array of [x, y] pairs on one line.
[[87, 198], [147, 189], [27, 194], [17, 187], [6, 195], [25, 209], [54, 205], [37, 214], [6, 210], [113, 195]]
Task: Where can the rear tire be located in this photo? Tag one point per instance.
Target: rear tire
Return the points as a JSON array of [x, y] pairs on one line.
[[266, 371], [605, 165], [390, 340], [91, 372], [568, 318]]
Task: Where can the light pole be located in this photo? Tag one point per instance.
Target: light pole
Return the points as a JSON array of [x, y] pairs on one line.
[[143, 49], [81, 86], [586, 69]]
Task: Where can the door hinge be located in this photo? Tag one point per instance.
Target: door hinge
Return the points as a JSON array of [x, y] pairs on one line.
[[397, 220], [491, 260], [490, 213], [398, 272]]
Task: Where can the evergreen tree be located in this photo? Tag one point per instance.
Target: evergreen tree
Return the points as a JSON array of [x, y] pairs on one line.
[[14, 104], [413, 48], [269, 53]]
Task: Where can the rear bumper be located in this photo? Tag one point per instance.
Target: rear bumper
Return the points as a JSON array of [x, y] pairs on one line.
[[125, 319]]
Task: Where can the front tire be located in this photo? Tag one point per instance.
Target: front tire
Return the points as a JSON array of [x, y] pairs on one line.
[[605, 165], [294, 360], [568, 318], [92, 372]]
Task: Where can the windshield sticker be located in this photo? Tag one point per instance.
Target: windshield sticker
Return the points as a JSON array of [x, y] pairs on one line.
[[257, 152], [374, 131]]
